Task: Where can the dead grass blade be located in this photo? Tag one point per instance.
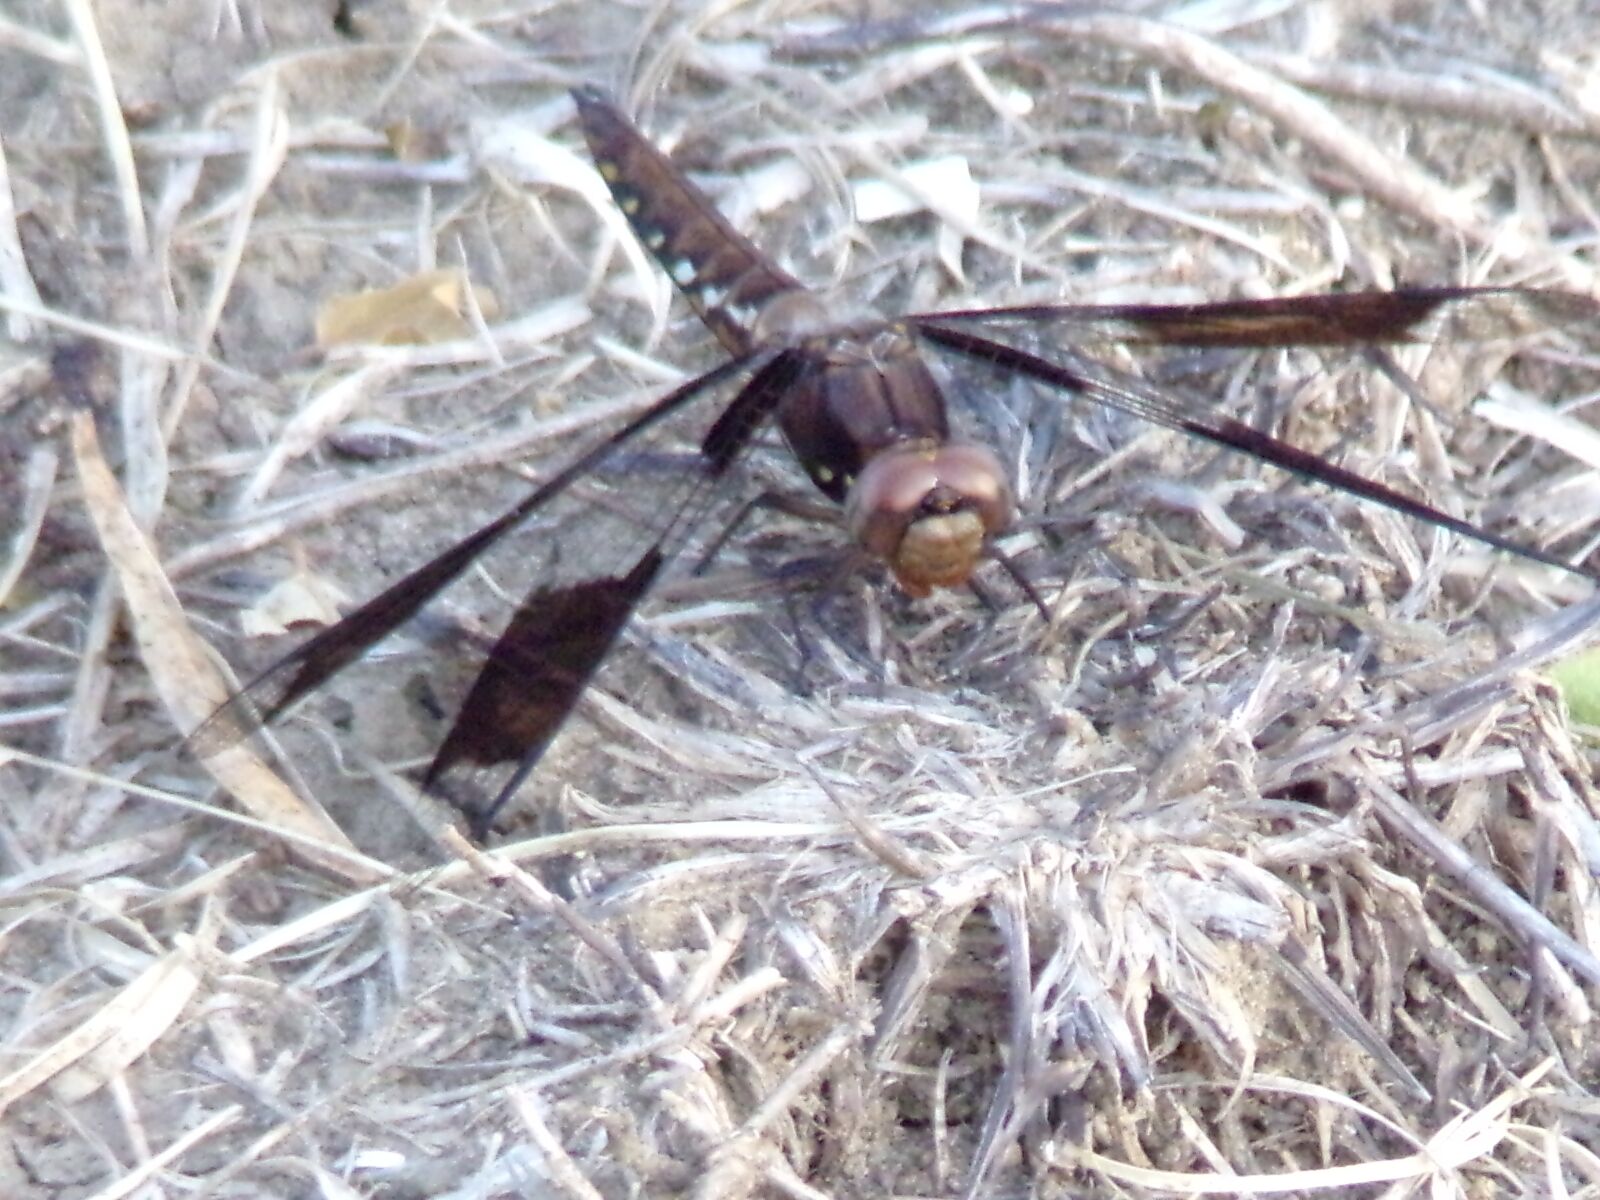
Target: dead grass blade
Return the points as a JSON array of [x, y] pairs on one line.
[[184, 673]]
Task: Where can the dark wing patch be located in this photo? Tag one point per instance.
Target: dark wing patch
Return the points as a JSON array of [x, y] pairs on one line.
[[1074, 374], [666, 518], [1410, 315], [718, 269], [537, 669]]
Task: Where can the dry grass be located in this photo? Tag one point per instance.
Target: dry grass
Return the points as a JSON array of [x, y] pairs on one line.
[[1267, 867]]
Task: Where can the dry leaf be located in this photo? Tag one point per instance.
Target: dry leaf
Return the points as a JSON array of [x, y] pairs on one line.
[[426, 308], [132, 1022], [300, 598], [109, 1039]]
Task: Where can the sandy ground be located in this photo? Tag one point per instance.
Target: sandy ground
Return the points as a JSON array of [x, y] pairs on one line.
[[1271, 853]]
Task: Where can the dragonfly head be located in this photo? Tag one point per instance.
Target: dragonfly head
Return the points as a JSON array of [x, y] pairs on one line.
[[929, 510]]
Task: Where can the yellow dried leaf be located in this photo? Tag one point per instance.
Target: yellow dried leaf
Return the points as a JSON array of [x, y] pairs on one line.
[[424, 309]]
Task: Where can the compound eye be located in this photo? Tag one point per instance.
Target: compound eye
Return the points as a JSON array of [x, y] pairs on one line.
[[929, 511]]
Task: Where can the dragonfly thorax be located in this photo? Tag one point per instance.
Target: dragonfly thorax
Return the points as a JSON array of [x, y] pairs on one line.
[[790, 316]]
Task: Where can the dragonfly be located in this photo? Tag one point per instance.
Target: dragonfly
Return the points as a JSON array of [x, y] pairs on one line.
[[866, 418]]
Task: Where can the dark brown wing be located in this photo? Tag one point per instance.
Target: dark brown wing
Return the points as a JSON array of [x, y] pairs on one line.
[[559, 636], [720, 272], [539, 666], [1409, 315], [1352, 319]]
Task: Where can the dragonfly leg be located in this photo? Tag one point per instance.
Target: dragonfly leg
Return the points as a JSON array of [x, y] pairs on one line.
[[803, 507]]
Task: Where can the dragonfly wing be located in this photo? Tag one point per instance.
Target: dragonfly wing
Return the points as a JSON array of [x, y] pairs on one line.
[[665, 518], [559, 636], [1408, 315], [532, 678], [1074, 374]]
